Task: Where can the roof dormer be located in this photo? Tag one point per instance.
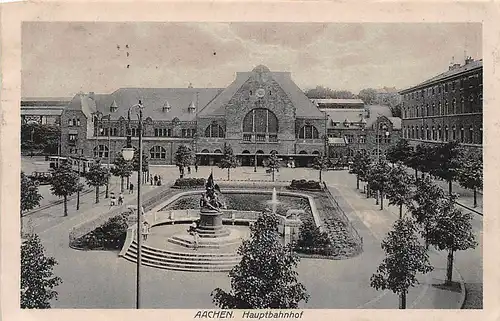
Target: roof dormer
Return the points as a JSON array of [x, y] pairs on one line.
[[166, 107], [192, 107], [113, 106]]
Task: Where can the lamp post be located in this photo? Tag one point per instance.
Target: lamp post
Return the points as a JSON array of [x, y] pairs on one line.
[[128, 154]]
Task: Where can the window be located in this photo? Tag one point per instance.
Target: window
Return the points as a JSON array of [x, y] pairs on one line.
[[273, 138], [261, 137], [446, 133], [427, 133], [214, 130], [446, 88], [78, 122], [462, 136], [247, 137], [72, 139], [454, 133], [439, 133], [260, 120], [471, 83], [158, 152], [453, 106], [439, 89], [453, 85], [184, 133], [461, 84], [308, 132], [433, 133], [480, 135], [471, 135], [350, 138], [362, 139], [101, 151]]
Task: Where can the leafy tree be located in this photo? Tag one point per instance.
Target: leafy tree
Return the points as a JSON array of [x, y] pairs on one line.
[[265, 277], [310, 236], [121, 168], [37, 278], [400, 152], [273, 162], [228, 160], [41, 137], [447, 162], [451, 231], [183, 158], [30, 197], [470, 173], [321, 92], [360, 167], [321, 163], [405, 257], [64, 182], [368, 95], [97, 176], [378, 177], [399, 190], [424, 158], [425, 206]]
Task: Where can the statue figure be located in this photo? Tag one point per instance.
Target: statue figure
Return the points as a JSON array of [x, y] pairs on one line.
[[210, 199]]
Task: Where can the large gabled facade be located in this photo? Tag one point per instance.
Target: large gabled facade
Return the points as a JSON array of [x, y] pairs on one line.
[[260, 112]]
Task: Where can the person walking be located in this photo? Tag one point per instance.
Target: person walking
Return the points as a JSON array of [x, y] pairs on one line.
[[120, 199], [151, 179], [145, 231], [131, 190], [189, 169], [112, 200], [196, 167]]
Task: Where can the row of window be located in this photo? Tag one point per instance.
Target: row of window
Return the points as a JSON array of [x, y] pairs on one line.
[[465, 82], [439, 109], [440, 134], [271, 138]]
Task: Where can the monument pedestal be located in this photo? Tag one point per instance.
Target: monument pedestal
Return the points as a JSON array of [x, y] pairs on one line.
[[211, 224]]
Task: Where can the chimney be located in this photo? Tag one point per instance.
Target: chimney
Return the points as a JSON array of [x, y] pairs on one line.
[[468, 60], [454, 66]]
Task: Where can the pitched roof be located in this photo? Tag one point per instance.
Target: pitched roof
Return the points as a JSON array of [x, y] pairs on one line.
[[382, 110], [304, 107], [455, 71], [337, 101], [153, 99], [340, 115]]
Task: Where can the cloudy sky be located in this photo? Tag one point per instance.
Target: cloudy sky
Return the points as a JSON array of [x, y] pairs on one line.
[[61, 59]]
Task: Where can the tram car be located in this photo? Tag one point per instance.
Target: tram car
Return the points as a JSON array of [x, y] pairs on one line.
[[81, 164]]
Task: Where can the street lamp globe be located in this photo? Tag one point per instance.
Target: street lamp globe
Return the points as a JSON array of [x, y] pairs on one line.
[[128, 153]]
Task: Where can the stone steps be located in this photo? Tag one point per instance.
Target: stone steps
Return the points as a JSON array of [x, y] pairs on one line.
[[183, 261]]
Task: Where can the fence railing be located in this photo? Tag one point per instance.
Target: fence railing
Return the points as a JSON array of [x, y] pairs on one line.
[[343, 216]]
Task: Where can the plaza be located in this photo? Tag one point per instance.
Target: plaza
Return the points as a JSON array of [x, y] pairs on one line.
[[102, 279]]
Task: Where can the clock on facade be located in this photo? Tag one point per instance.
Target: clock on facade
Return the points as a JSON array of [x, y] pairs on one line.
[[260, 92]]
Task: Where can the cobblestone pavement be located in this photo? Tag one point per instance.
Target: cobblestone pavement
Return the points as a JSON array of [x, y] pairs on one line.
[[100, 279]]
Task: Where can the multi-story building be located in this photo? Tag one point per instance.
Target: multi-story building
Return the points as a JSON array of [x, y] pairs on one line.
[[260, 112], [447, 107], [369, 129]]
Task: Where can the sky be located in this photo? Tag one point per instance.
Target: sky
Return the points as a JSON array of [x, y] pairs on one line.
[[60, 59]]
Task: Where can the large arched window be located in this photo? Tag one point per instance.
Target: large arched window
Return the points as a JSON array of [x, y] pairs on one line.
[[214, 130], [260, 120], [308, 132], [158, 152], [101, 151]]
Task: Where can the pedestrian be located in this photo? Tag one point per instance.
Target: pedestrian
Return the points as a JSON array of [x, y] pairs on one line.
[[156, 179], [145, 230], [195, 238], [189, 169], [112, 199], [196, 167], [120, 199], [151, 179], [131, 189]]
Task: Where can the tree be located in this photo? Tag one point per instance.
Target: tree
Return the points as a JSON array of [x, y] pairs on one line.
[[228, 160], [37, 278], [425, 205], [97, 176], [321, 92], [470, 173], [183, 158], [451, 231], [400, 152], [310, 236], [121, 168], [321, 163], [378, 177], [40, 137], [135, 162], [273, 162], [368, 95], [265, 277], [423, 158], [64, 182], [399, 190], [447, 162], [30, 197], [405, 257], [360, 167]]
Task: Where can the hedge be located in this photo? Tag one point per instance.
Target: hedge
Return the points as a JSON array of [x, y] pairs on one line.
[[189, 182], [110, 236], [306, 185]]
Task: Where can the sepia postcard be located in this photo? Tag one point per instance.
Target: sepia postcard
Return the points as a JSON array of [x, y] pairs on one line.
[[226, 160]]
